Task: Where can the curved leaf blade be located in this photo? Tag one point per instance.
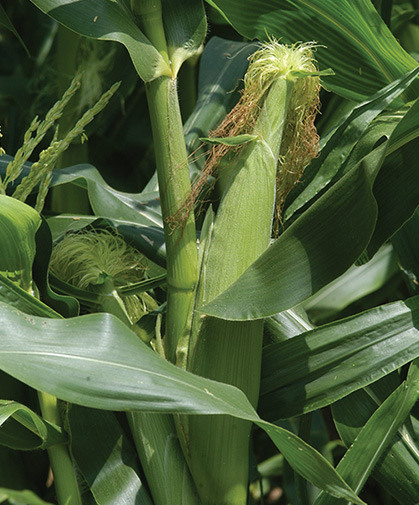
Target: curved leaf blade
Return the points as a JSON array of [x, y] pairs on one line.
[[353, 39], [18, 226], [318, 247], [321, 366], [108, 20], [376, 435], [22, 429], [107, 366]]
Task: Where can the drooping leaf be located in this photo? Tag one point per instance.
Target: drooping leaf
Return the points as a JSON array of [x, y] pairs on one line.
[[318, 367], [22, 429], [318, 247], [17, 297], [353, 39], [108, 20], [94, 348]]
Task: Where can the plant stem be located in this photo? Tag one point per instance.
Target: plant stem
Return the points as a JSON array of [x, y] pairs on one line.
[[65, 480], [174, 184]]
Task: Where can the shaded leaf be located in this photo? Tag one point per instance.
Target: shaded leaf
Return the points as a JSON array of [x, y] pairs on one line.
[[318, 367], [24, 497], [106, 458], [353, 39], [108, 20], [18, 226], [318, 247], [376, 435], [5, 21], [338, 147], [22, 429], [398, 470]]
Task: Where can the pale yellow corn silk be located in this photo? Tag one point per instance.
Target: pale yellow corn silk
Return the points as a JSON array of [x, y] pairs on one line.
[[84, 258], [300, 140], [87, 258]]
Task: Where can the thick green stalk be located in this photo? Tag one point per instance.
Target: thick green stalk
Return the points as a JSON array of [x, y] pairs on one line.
[[65, 480], [174, 184], [231, 351]]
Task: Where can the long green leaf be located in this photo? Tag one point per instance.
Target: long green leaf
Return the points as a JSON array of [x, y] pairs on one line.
[[318, 367], [5, 21], [318, 247], [376, 435], [339, 146], [24, 497], [398, 469], [108, 20], [22, 429], [353, 39], [106, 366]]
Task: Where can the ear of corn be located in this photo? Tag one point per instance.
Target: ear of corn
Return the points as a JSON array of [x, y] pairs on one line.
[[217, 446]]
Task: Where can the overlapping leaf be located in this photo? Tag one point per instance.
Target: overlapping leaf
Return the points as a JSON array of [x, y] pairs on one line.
[[376, 435], [22, 429], [317, 368], [108, 367], [354, 41], [318, 247], [108, 20]]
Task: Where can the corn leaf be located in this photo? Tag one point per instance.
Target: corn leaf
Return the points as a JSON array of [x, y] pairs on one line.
[[24, 497], [398, 469], [406, 245], [18, 226], [376, 435], [15, 296], [22, 429], [354, 284], [108, 20], [347, 135], [106, 457], [316, 368], [353, 39], [318, 247], [108, 367], [6, 23], [142, 208], [185, 29]]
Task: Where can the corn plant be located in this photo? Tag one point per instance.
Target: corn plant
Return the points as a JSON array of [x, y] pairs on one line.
[[194, 342]]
